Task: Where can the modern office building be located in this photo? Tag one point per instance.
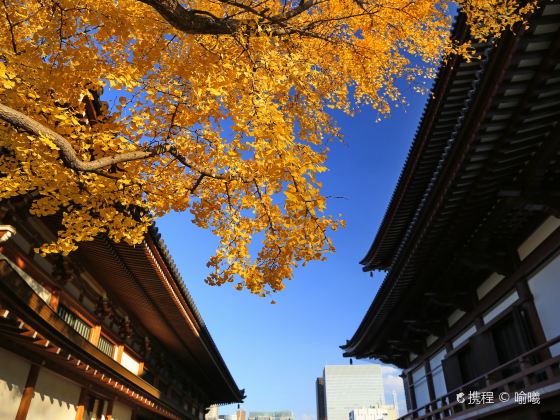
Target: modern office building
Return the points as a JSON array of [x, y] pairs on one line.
[[271, 415], [239, 415], [320, 398], [347, 387], [471, 238], [108, 332]]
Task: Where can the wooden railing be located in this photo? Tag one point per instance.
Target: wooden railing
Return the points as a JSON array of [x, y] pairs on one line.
[[532, 370]]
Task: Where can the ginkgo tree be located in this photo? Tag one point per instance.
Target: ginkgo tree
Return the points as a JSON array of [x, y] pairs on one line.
[[218, 107]]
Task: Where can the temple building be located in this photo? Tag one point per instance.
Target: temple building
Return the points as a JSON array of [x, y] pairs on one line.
[[471, 238], [108, 332]]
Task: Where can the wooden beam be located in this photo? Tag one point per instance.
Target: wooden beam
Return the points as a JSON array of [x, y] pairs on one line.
[[458, 300], [546, 201], [436, 327], [503, 262], [415, 346], [28, 392]]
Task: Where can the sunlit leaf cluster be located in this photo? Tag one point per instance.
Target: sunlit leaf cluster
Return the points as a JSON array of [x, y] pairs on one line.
[[229, 100]]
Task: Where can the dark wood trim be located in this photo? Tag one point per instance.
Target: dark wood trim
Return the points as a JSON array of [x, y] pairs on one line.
[[429, 381], [478, 323], [28, 392], [26, 263], [536, 332], [413, 396], [532, 315], [100, 407], [109, 411], [407, 390]]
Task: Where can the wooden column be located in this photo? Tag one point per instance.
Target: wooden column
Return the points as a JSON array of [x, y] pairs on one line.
[[478, 323], [532, 316], [430, 382], [95, 334], [118, 356], [407, 391], [109, 411], [412, 391], [82, 401], [55, 298], [28, 392]]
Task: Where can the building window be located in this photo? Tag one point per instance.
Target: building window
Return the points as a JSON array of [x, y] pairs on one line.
[[74, 321], [106, 346], [500, 342]]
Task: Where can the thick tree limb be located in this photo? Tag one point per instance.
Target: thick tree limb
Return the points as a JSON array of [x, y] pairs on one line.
[[199, 22], [70, 158], [191, 22]]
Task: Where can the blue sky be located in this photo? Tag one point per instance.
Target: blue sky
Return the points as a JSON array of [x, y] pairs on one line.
[[277, 351]]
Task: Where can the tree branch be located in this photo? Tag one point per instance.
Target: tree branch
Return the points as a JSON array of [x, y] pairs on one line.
[[201, 23], [69, 156], [191, 22]]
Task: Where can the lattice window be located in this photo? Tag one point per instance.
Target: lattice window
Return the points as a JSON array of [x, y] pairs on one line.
[[106, 346], [74, 321]]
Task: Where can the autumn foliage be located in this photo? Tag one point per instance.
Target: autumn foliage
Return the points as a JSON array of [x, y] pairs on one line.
[[219, 107]]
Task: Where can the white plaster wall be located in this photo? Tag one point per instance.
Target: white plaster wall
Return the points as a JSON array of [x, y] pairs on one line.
[[13, 375], [128, 362], [464, 336], [121, 411], [488, 285], [55, 397], [538, 236]]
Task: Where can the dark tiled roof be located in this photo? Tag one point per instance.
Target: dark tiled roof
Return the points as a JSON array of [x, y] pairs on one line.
[[490, 124]]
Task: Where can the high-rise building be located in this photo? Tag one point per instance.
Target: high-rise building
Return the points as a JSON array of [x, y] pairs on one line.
[[271, 415], [320, 390], [395, 403], [348, 387]]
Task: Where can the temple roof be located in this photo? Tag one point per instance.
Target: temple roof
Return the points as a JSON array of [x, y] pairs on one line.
[[146, 282], [482, 172]]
